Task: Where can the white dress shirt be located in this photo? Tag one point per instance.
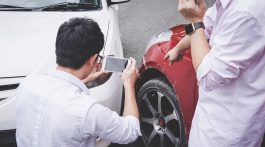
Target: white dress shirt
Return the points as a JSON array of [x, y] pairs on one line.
[[56, 110], [231, 106]]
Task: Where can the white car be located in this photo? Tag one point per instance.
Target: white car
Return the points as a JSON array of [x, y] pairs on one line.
[[28, 30]]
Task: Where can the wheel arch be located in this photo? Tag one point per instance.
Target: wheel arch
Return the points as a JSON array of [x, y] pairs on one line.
[[149, 74]]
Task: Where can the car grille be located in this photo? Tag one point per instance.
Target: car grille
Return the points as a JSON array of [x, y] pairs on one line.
[[8, 138], [8, 86]]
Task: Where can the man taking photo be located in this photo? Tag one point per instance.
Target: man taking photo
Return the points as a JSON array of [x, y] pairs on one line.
[[57, 110]]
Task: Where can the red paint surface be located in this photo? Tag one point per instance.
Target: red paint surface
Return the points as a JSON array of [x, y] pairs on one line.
[[181, 75]]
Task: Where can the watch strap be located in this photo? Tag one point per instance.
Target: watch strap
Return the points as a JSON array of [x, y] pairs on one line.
[[192, 27]]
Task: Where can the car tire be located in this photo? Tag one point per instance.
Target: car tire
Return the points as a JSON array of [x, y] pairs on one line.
[[160, 116]]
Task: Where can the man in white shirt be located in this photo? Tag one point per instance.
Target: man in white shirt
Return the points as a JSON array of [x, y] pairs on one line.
[[56, 109], [230, 71]]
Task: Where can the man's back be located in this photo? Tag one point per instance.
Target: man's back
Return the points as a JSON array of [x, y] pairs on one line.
[[56, 110], [44, 117]]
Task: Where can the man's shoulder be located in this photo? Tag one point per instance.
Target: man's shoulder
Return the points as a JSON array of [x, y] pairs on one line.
[[32, 81], [248, 10], [254, 8]]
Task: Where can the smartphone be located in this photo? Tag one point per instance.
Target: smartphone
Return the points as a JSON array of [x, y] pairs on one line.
[[114, 64]]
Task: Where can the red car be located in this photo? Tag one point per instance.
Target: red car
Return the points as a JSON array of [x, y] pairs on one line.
[[167, 95]]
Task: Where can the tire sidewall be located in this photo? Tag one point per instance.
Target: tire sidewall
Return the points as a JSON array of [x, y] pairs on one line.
[[162, 86]]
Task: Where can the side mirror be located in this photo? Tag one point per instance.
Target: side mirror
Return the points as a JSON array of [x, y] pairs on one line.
[[113, 2]]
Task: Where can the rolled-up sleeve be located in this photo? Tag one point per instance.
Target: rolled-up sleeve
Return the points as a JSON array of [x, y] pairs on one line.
[[108, 125], [238, 44]]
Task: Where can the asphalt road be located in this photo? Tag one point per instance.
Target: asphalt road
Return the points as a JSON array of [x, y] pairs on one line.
[[142, 19]]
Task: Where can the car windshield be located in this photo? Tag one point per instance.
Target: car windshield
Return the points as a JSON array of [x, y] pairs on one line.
[[42, 3]]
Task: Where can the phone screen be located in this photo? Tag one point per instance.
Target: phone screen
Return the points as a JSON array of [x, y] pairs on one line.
[[113, 64]]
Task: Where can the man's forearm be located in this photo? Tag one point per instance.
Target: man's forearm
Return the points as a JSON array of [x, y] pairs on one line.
[[130, 105], [199, 47], [184, 43]]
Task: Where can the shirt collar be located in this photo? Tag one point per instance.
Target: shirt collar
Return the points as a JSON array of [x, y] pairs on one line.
[[70, 78], [224, 3]]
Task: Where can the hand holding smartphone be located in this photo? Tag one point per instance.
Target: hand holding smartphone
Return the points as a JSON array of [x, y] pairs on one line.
[[114, 64]]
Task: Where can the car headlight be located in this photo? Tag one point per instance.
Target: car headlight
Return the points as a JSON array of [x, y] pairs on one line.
[[161, 37]]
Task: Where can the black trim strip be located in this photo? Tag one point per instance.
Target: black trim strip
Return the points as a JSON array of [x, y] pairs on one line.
[[12, 77], [8, 87], [114, 3], [2, 99]]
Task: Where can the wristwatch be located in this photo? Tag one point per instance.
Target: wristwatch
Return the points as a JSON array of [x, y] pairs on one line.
[[192, 27]]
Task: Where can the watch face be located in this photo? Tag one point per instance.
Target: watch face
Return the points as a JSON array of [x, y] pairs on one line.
[[189, 29]]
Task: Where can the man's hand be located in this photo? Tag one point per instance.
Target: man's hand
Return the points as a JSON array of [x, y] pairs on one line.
[[191, 11], [176, 54], [96, 75], [130, 74], [173, 55]]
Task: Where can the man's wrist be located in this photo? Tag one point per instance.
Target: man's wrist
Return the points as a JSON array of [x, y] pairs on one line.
[[128, 85], [199, 32], [195, 20], [192, 27]]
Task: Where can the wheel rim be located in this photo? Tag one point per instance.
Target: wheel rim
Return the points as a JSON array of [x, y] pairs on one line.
[[159, 120]]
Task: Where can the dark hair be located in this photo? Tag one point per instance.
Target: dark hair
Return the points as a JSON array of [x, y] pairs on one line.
[[77, 40]]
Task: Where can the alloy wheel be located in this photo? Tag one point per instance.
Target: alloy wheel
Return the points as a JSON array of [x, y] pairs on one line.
[[160, 125]]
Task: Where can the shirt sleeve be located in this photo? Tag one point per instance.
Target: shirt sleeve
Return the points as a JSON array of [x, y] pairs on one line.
[[108, 125], [209, 21], [238, 44]]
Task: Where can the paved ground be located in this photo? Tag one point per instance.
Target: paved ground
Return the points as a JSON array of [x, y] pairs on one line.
[[142, 19]]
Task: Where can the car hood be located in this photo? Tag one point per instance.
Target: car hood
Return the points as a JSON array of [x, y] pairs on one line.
[[28, 38]]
